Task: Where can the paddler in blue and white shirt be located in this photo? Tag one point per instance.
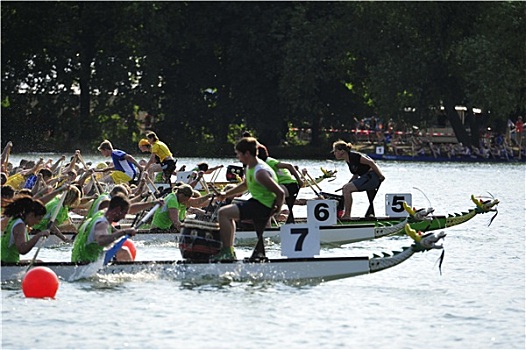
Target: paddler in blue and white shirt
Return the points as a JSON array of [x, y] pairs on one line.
[[125, 167], [267, 198]]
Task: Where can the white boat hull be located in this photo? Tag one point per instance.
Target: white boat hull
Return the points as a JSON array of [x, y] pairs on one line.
[[319, 269], [285, 269], [329, 235]]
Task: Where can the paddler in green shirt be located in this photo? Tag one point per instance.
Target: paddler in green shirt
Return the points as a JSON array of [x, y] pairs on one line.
[[267, 199], [23, 212], [288, 177], [71, 200], [96, 233], [176, 204]]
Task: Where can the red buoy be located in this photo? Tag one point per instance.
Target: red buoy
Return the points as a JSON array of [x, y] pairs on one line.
[[40, 282], [131, 247]]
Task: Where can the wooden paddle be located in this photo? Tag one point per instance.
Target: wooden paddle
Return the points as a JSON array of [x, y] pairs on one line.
[[304, 172], [204, 185], [51, 222], [93, 178], [110, 253], [151, 187], [312, 180], [215, 175]]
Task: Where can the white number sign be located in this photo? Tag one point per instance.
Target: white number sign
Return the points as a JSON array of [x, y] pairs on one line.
[[394, 206], [184, 176], [322, 212], [299, 240]]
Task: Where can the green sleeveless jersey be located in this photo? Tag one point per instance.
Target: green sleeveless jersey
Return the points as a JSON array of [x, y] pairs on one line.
[[161, 217], [82, 250], [9, 251], [284, 175], [50, 208], [96, 203], [257, 190]]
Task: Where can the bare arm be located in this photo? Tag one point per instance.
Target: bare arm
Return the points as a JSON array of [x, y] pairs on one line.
[[150, 161], [23, 246], [266, 180], [133, 161], [57, 163], [102, 237], [71, 165], [5, 155], [49, 196], [293, 171], [373, 166], [199, 202], [211, 170], [138, 207], [239, 189], [173, 213]]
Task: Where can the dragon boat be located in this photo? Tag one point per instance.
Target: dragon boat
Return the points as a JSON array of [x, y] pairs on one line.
[[283, 269], [234, 176], [344, 232]]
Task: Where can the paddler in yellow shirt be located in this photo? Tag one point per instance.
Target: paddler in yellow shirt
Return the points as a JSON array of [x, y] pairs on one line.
[[160, 154]]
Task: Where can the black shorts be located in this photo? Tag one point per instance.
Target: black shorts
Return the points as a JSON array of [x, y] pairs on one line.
[[252, 209], [368, 181], [293, 189], [168, 167]]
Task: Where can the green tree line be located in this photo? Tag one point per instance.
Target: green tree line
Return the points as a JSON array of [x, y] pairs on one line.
[[199, 73]]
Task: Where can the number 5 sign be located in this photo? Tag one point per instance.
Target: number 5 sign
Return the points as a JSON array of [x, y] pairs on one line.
[[394, 204]]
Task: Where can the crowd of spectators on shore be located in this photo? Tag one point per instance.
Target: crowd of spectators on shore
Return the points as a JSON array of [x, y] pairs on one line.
[[403, 140]]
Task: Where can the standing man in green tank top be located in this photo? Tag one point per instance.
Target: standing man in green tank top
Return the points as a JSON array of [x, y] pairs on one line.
[[267, 198]]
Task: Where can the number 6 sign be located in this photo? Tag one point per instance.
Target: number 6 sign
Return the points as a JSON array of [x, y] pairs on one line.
[[322, 212]]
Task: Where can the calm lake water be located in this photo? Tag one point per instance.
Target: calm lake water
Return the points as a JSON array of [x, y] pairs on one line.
[[477, 302]]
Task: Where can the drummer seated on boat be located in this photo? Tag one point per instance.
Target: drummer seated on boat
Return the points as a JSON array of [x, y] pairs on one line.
[[96, 233], [176, 204]]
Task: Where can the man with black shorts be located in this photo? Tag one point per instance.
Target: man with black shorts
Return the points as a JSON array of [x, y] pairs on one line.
[[267, 199]]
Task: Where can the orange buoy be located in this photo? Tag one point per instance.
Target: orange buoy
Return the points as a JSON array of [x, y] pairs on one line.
[[131, 247], [40, 282]]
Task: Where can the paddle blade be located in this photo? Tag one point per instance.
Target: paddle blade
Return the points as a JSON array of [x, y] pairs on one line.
[[110, 253]]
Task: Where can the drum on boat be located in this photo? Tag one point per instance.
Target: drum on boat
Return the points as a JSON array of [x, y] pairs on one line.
[[199, 240], [233, 172]]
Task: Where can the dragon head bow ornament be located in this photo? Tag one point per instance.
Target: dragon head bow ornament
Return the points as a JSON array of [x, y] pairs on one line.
[[420, 214], [486, 206], [425, 242]]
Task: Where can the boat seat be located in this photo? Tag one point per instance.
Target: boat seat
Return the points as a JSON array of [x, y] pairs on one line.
[[370, 195]]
